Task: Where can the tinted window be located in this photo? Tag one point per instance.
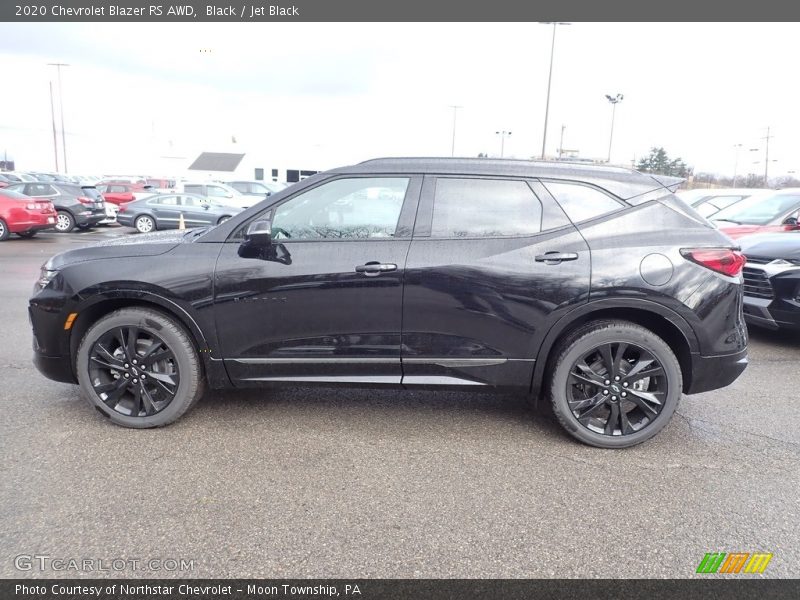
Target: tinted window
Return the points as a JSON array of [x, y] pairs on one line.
[[164, 200], [192, 201], [16, 187], [91, 192], [8, 193], [759, 209], [217, 191], [343, 209], [484, 208], [40, 189], [582, 202]]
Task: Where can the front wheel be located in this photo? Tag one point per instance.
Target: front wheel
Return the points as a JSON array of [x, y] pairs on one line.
[[139, 368], [144, 224], [615, 384]]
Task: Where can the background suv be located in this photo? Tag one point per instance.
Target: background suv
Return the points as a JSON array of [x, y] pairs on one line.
[[594, 287], [76, 205]]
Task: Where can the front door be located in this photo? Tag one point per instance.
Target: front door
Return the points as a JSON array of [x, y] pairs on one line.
[[491, 266], [324, 302]]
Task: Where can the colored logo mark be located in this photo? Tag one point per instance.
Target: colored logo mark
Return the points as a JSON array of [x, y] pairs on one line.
[[734, 562]]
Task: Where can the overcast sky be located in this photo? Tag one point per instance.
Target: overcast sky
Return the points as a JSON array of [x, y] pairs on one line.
[[322, 95]]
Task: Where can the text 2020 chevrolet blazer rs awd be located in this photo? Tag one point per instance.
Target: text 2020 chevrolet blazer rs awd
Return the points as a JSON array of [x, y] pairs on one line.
[[592, 286]]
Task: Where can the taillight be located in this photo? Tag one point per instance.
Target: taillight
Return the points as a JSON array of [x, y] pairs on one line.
[[85, 200], [122, 207], [722, 260], [31, 206]]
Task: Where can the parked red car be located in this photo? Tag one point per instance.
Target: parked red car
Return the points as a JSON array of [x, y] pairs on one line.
[[774, 211], [24, 215]]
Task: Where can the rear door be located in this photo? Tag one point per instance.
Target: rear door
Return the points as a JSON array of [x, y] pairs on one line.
[[491, 266]]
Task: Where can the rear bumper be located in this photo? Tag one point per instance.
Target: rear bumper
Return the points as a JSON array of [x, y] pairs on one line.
[[92, 218], [35, 222], [714, 372]]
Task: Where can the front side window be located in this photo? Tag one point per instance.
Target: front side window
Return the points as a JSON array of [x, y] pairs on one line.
[[358, 208], [582, 202], [484, 208], [218, 192]]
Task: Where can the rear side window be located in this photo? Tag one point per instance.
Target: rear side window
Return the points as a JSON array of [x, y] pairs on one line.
[[582, 202], [193, 189], [484, 208], [40, 189]]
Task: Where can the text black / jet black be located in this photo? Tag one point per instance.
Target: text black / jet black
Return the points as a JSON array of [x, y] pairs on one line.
[[593, 285]]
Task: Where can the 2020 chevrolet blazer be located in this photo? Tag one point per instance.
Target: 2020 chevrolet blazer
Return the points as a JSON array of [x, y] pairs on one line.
[[591, 286]]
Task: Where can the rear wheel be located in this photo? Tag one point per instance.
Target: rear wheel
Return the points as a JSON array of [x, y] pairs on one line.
[[65, 222], [4, 233], [139, 368], [615, 384], [27, 234], [144, 224]]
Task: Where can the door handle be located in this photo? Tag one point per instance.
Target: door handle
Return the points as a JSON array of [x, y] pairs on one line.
[[375, 268], [554, 258]]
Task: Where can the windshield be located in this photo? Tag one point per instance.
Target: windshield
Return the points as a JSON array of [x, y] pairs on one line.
[[759, 209]]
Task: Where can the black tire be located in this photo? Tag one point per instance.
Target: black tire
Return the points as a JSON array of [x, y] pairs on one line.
[[4, 232], [614, 407], [27, 234], [84, 227], [115, 386], [65, 222], [145, 224]]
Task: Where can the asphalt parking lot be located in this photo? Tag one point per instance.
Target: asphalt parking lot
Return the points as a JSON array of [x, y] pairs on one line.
[[343, 483]]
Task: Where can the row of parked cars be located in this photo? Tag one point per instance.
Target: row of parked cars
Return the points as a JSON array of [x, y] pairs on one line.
[[31, 202], [766, 223]]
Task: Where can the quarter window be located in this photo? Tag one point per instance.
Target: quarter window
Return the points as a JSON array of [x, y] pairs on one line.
[[581, 202], [358, 208], [484, 208]]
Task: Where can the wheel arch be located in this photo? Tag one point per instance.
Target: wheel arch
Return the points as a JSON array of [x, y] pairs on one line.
[[662, 321], [103, 304]]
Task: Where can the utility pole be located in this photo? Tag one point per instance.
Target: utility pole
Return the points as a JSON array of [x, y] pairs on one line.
[[53, 117], [453, 146], [61, 107], [736, 164], [766, 158]]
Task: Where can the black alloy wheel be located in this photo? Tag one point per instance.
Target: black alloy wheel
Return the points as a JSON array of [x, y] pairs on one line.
[[140, 368], [133, 371], [614, 384]]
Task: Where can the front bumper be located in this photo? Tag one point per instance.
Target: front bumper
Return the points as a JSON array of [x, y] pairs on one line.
[[57, 368], [774, 303], [714, 372]]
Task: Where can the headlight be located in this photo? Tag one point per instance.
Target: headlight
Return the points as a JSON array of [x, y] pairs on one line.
[[45, 277]]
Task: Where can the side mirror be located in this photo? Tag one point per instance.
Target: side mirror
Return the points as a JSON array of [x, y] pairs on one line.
[[790, 221], [259, 234]]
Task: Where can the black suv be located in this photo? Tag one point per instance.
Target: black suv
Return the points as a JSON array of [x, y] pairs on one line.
[[593, 286], [76, 205]]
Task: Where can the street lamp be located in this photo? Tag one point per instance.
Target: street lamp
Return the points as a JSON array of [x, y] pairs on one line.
[[503, 135], [453, 146], [614, 100], [549, 80], [61, 107]]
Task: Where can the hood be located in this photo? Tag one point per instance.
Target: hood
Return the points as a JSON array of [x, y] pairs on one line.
[[772, 245], [143, 244]]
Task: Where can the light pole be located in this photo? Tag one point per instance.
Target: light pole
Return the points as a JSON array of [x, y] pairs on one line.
[[614, 100], [61, 107], [766, 159], [53, 117], [561, 142], [736, 163], [453, 146], [503, 135], [549, 81]]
